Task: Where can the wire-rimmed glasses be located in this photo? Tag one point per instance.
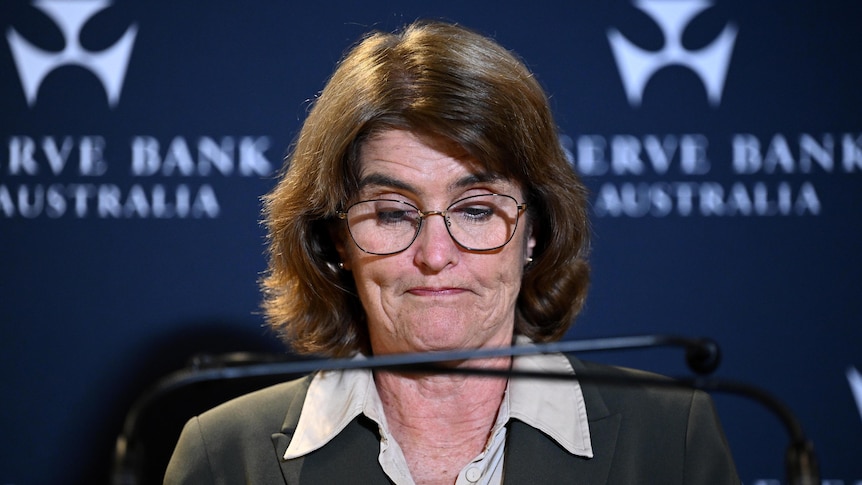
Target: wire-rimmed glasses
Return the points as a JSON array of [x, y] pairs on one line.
[[477, 223]]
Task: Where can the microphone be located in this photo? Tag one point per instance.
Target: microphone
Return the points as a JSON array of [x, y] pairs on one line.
[[702, 355]]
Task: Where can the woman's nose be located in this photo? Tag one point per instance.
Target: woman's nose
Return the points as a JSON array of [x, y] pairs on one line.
[[435, 248]]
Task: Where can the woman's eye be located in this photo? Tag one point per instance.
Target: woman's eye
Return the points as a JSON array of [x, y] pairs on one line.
[[391, 216], [475, 213]]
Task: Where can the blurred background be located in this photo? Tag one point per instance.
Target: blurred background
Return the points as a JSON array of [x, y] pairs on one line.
[[722, 142]]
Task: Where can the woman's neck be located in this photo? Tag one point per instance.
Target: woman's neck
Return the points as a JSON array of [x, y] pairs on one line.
[[441, 421]]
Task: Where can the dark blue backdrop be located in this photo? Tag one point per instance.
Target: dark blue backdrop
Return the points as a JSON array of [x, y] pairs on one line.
[[129, 235]]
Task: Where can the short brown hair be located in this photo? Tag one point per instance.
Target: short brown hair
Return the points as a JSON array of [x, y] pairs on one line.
[[439, 80]]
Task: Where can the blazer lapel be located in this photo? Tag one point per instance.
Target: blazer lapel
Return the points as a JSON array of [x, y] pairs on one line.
[[351, 457], [533, 457], [290, 469]]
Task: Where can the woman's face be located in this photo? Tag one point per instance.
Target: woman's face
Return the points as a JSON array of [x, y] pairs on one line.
[[435, 295]]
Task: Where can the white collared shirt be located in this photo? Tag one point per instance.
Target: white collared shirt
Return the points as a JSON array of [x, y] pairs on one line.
[[556, 408]]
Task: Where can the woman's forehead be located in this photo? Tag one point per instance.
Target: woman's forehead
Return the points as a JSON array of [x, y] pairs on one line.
[[393, 157]]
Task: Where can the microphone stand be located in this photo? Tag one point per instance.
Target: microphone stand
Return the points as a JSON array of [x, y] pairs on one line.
[[702, 356]]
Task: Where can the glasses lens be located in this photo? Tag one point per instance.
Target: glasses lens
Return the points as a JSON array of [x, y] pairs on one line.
[[483, 222], [382, 226]]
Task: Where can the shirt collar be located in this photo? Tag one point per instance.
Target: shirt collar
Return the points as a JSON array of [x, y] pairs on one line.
[[556, 408], [323, 417]]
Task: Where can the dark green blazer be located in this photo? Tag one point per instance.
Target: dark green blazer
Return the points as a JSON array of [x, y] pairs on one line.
[[640, 435]]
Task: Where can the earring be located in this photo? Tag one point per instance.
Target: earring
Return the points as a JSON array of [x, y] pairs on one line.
[[340, 265], [529, 260]]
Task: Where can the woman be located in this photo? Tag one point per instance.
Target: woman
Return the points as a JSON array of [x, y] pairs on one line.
[[427, 205]]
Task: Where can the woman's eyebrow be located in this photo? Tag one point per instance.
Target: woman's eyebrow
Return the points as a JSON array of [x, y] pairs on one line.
[[381, 180], [474, 179]]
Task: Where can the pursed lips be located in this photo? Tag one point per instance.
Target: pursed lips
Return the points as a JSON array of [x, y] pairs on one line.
[[435, 291]]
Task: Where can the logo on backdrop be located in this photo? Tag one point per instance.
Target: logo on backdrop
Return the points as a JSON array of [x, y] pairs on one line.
[[697, 174], [108, 65], [637, 65], [55, 175]]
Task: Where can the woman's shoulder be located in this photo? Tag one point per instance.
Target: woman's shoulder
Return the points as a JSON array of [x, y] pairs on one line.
[[265, 407], [234, 441], [624, 388]]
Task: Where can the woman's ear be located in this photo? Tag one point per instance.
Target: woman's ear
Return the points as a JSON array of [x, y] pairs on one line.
[[528, 250], [531, 229], [338, 236]]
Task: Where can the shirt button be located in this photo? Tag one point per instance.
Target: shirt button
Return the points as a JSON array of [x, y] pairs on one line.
[[474, 474]]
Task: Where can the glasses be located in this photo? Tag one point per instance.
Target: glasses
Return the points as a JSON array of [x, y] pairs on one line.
[[476, 223]]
